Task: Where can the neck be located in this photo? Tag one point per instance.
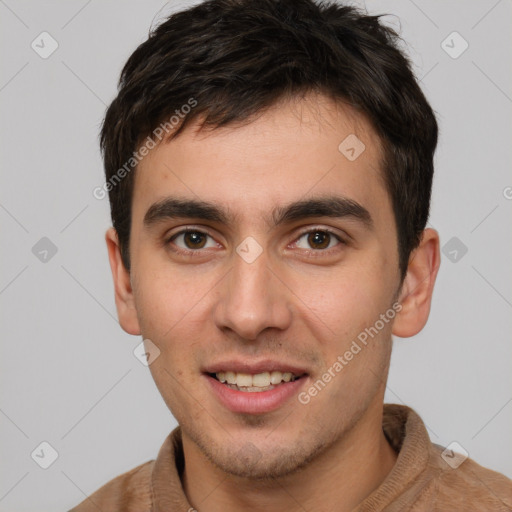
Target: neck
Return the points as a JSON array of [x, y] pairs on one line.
[[339, 479]]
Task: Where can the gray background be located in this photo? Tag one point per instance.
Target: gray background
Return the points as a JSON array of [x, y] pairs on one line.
[[69, 376]]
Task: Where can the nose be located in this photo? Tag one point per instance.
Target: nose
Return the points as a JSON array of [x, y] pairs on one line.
[[252, 298]]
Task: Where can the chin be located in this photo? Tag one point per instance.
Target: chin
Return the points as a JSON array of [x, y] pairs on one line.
[[263, 462]]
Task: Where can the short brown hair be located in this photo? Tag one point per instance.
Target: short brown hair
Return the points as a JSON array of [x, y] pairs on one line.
[[235, 58]]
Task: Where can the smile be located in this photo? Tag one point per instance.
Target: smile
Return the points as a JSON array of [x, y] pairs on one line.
[[245, 382], [260, 391]]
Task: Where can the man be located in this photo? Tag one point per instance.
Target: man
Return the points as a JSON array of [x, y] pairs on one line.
[[269, 166]]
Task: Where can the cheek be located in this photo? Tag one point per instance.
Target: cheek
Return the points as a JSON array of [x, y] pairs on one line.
[[168, 307], [340, 305], [165, 299], [172, 307]]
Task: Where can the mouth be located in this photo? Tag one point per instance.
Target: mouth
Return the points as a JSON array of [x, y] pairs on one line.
[[254, 388], [254, 383]]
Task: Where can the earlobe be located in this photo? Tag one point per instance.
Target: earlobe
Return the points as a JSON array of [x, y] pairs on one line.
[[416, 293], [124, 298]]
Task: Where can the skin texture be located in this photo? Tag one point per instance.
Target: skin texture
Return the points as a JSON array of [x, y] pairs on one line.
[[295, 303]]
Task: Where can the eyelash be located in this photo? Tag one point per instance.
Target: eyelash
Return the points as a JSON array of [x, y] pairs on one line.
[[313, 252]]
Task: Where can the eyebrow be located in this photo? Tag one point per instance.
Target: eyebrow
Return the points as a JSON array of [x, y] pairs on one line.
[[332, 206]]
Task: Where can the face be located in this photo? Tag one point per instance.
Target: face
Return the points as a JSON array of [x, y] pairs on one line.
[[260, 251]]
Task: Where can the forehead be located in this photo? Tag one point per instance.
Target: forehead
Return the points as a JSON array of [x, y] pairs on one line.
[[299, 148]]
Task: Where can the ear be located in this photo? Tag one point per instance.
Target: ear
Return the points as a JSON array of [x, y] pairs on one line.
[[125, 303], [418, 286]]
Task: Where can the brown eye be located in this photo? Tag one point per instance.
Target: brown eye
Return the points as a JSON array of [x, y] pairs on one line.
[[191, 240], [318, 240], [194, 240]]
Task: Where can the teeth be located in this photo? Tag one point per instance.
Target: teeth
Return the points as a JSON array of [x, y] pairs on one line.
[[275, 377], [243, 380], [260, 380]]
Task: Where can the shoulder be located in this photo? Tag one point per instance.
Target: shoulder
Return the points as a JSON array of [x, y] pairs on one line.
[[129, 492], [482, 488]]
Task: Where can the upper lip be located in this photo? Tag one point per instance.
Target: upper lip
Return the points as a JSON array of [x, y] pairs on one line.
[[253, 367]]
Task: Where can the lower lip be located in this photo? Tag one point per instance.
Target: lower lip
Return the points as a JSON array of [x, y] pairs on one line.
[[256, 402]]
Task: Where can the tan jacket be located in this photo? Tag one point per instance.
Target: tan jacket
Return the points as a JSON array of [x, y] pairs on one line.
[[423, 478]]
